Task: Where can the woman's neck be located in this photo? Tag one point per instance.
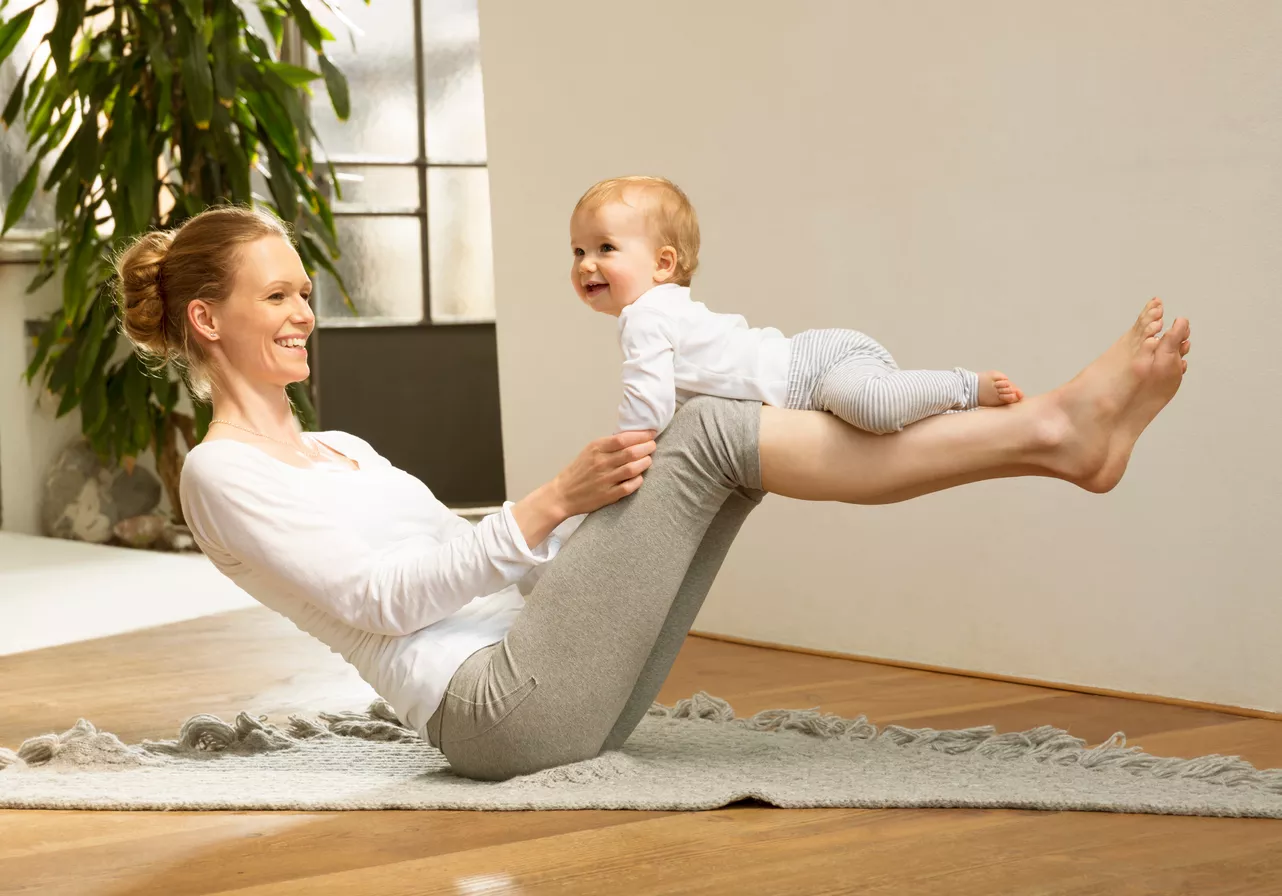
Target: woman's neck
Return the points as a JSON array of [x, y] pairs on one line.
[[263, 409]]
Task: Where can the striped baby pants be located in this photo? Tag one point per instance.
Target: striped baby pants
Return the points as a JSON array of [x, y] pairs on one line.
[[849, 374]]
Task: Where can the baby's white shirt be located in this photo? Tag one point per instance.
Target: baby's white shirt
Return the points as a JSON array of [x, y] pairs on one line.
[[675, 348]]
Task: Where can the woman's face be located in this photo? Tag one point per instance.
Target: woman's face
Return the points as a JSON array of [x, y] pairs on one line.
[[263, 326]]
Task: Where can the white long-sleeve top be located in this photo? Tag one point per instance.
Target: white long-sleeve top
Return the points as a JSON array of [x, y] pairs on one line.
[[675, 348], [368, 561]]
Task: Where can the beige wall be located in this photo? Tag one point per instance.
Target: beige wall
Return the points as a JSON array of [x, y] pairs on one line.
[[30, 435], [984, 184]]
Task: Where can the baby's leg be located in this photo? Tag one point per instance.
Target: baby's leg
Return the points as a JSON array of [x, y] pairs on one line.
[[851, 375], [996, 389], [868, 393]]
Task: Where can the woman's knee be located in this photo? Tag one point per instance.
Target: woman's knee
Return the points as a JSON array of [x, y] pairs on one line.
[[721, 435]]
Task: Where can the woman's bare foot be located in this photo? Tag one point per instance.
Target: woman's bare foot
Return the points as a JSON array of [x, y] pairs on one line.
[[996, 389], [1164, 381], [1094, 420]]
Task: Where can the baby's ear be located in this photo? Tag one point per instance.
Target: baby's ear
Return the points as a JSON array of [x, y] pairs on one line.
[[665, 264]]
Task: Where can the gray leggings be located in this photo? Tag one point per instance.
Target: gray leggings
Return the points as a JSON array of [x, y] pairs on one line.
[[587, 655]]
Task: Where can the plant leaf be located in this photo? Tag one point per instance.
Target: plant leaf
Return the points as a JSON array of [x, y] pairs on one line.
[[70, 15], [304, 410], [307, 26], [13, 30], [293, 75], [273, 118], [226, 50], [317, 226], [15, 98], [318, 256], [37, 86], [235, 160], [282, 185], [48, 336], [73, 280], [88, 149], [90, 345], [64, 369], [141, 177], [65, 160], [203, 413], [135, 389], [166, 390], [275, 22], [195, 10], [336, 83], [93, 411], [69, 192], [21, 196], [198, 82]]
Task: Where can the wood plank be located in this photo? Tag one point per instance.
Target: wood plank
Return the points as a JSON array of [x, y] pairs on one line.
[[144, 684]]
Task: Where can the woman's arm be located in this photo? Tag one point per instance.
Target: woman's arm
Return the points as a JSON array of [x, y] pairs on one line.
[[605, 471], [243, 513]]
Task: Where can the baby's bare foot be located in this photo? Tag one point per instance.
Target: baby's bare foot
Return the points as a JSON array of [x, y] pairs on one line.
[[996, 389]]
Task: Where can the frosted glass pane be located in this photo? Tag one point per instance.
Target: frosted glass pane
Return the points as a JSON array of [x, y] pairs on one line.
[[367, 188], [460, 251], [382, 266], [452, 63], [14, 157], [380, 77]]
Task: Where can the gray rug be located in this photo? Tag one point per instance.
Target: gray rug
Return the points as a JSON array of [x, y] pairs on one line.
[[695, 755]]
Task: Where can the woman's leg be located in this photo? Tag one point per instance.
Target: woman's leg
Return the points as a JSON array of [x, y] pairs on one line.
[[1082, 432], [685, 607], [573, 659], [554, 689]]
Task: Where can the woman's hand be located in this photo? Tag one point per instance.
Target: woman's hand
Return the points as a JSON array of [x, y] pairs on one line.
[[605, 471]]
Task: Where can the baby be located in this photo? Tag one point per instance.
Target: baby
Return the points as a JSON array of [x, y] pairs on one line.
[[636, 247]]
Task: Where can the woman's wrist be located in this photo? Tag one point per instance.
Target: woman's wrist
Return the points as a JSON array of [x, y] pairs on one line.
[[539, 512]]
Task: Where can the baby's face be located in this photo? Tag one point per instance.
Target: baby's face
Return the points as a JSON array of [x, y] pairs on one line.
[[615, 256]]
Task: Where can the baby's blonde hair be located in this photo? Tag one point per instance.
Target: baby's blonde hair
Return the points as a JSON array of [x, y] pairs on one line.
[[670, 213]]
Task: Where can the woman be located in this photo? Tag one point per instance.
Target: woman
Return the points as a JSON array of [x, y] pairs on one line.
[[429, 609]]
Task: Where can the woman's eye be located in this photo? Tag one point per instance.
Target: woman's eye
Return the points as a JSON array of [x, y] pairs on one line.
[[277, 297]]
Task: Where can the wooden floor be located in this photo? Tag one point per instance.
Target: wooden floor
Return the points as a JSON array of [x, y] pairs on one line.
[[145, 684]]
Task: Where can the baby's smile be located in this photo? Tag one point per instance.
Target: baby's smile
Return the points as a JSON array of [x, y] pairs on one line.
[[593, 289]]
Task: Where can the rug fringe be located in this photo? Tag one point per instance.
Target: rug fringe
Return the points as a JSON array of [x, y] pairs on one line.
[[248, 734], [1044, 744]]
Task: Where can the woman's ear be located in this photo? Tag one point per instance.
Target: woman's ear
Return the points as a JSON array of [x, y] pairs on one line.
[[665, 265], [201, 320]]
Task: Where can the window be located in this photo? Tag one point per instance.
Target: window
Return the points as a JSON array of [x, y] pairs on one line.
[[14, 155], [414, 220]]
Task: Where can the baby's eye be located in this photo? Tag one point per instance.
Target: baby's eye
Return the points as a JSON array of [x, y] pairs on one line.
[[578, 252], [606, 247]]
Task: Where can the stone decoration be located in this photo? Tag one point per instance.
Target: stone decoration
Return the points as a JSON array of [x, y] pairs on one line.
[[143, 531], [84, 499]]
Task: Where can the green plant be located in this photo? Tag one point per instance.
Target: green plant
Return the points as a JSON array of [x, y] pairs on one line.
[[153, 111]]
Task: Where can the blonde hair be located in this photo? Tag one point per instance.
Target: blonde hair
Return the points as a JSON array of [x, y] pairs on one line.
[[163, 271], [671, 215]]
